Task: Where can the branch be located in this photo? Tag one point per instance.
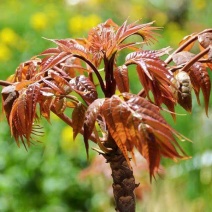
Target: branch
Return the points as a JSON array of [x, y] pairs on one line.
[[5, 83], [169, 59], [195, 59], [142, 93], [192, 39], [109, 78], [95, 71], [68, 121], [123, 182]]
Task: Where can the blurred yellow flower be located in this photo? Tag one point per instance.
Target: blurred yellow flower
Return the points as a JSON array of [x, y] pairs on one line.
[[39, 21], [67, 142], [5, 53], [79, 23], [67, 134], [138, 11], [76, 24], [8, 36], [160, 18], [199, 4], [91, 21]]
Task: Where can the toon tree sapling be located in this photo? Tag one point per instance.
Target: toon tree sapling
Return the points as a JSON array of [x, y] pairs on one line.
[[87, 77]]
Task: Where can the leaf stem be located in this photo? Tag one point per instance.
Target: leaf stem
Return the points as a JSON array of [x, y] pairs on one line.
[[95, 71], [5, 83], [109, 78], [169, 59], [142, 93], [69, 121], [101, 146], [195, 59], [180, 48]]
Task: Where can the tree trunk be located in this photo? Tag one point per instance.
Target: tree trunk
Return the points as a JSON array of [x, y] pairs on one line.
[[123, 182]]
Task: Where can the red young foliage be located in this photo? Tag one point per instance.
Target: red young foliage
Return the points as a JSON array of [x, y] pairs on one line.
[[75, 72]]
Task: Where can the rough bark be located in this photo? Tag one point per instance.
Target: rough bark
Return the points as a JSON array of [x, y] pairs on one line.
[[123, 182]]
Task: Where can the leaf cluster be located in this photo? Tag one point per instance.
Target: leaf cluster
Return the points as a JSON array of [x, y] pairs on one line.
[[70, 75]]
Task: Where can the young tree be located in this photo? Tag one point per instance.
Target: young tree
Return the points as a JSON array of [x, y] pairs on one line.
[[87, 77]]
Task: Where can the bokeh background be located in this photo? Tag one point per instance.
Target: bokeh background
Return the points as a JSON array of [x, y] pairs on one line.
[[55, 175]]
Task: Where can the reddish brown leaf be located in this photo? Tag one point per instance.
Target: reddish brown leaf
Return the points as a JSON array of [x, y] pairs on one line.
[[78, 117], [52, 61], [84, 87], [150, 63], [101, 42], [71, 46], [182, 57], [53, 86], [22, 85], [136, 58], [138, 103], [115, 113], [144, 30], [32, 96], [60, 82], [23, 114], [78, 49], [147, 33], [17, 119], [205, 39], [151, 116], [200, 79], [122, 79], [159, 52], [45, 107], [150, 112], [186, 39], [165, 137], [51, 51], [59, 104], [121, 30], [9, 95], [150, 150], [126, 119], [27, 70], [91, 116], [153, 75], [63, 44]]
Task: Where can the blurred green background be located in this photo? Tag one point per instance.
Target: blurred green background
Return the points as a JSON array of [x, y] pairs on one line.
[[55, 175]]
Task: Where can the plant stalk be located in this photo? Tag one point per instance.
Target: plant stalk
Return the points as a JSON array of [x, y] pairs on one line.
[[5, 83], [123, 182]]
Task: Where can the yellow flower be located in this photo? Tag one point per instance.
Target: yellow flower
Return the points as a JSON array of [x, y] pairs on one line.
[[91, 21], [5, 53], [67, 142], [8, 36], [160, 18], [79, 24], [39, 21], [76, 24], [137, 10], [199, 4]]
